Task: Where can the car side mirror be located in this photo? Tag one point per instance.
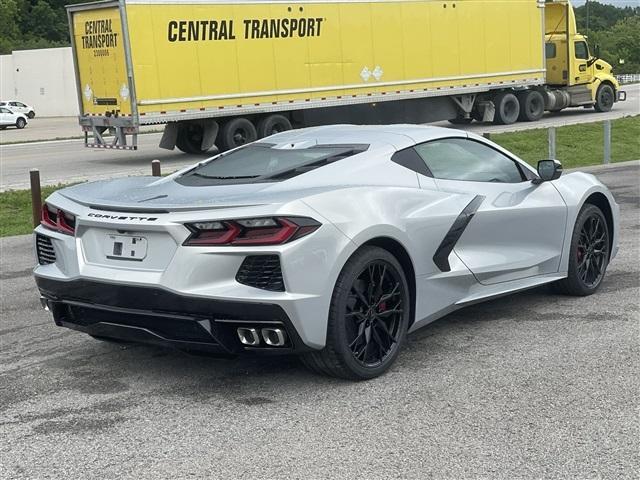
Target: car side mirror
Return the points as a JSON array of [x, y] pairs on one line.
[[548, 170]]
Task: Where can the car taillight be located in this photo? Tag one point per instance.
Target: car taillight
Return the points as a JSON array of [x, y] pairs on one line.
[[250, 231], [58, 220]]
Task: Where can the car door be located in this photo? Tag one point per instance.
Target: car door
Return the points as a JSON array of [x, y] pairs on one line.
[[5, 116], [518, 227]]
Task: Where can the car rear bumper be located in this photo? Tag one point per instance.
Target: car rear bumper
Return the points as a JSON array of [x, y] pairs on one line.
[[161, 317]]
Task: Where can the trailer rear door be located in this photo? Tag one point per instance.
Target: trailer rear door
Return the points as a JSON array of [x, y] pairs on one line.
[[101, 66]]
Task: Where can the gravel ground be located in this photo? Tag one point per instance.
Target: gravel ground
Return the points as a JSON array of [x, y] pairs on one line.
[[534, 385]]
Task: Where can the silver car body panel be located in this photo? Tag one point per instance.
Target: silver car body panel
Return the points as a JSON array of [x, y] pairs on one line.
[[519, 237]]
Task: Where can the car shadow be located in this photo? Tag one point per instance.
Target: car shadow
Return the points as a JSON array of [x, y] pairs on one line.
[[159, 371]]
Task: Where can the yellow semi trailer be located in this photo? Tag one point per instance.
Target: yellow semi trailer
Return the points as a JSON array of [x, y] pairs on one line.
[[228, 72]]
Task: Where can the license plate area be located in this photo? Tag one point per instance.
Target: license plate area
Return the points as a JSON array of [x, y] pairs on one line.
[[125, 247]]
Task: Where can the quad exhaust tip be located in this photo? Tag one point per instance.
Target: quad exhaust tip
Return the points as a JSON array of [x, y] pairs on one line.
[[248, 336], [272, 337]]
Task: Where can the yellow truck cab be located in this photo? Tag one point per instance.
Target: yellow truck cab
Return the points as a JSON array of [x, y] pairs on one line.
[[575, 75]]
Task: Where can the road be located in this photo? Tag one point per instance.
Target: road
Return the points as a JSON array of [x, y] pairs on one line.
[[68, 161], [534, 385]]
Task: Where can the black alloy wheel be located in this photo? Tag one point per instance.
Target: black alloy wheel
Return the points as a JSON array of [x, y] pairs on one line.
[[374, 313], [368, 318], [589, 254], [593, 251]]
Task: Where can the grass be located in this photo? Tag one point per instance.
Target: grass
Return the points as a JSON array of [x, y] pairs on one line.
[[577, 146], [15, 210]]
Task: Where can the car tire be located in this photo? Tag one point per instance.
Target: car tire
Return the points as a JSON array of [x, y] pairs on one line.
[[605, 98], [272, 124], [31, 115], [237, 132], [20, 123], [588, 255], [357, 347], [507, 108], [531, 106]]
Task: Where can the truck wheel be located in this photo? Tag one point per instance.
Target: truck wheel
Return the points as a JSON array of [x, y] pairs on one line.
[[272, 124], [20, 123], [189, 138], [236, 132], [605, 98], [531, 106], [507, 108]]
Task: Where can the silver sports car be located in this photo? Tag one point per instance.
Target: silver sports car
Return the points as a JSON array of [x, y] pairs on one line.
[[330, 242]]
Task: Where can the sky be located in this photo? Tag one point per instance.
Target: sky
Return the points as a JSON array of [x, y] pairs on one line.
[[617, 3]]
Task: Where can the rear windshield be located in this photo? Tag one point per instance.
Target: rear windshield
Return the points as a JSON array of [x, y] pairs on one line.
[[262, 163]]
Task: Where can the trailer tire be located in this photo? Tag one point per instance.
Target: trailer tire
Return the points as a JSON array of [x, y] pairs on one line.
[[531, 106], [605, 98], [272, 124], [507, 108], [189, 139], [236, 132]]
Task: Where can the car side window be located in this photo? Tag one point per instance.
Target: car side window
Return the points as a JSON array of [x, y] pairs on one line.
[[468, 160], [18, 104], [4, 110], [13, 104]]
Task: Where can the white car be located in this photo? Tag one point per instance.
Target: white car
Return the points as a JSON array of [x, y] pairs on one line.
[[330, 242], [12, 119], [19, 107]]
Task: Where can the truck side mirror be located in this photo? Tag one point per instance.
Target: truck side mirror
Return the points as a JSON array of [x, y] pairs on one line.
[[596, 50], [548, 170]]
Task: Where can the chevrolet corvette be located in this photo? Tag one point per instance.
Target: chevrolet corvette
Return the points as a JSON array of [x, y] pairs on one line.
[[332, 243]]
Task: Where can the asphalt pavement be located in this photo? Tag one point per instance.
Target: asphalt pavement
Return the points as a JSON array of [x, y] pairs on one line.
[[68, 161], [534, 385]]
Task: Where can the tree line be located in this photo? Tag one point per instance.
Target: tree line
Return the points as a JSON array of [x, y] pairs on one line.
[[28, 24]]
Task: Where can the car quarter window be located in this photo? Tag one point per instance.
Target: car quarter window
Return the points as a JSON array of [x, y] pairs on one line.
[[468, 160]]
